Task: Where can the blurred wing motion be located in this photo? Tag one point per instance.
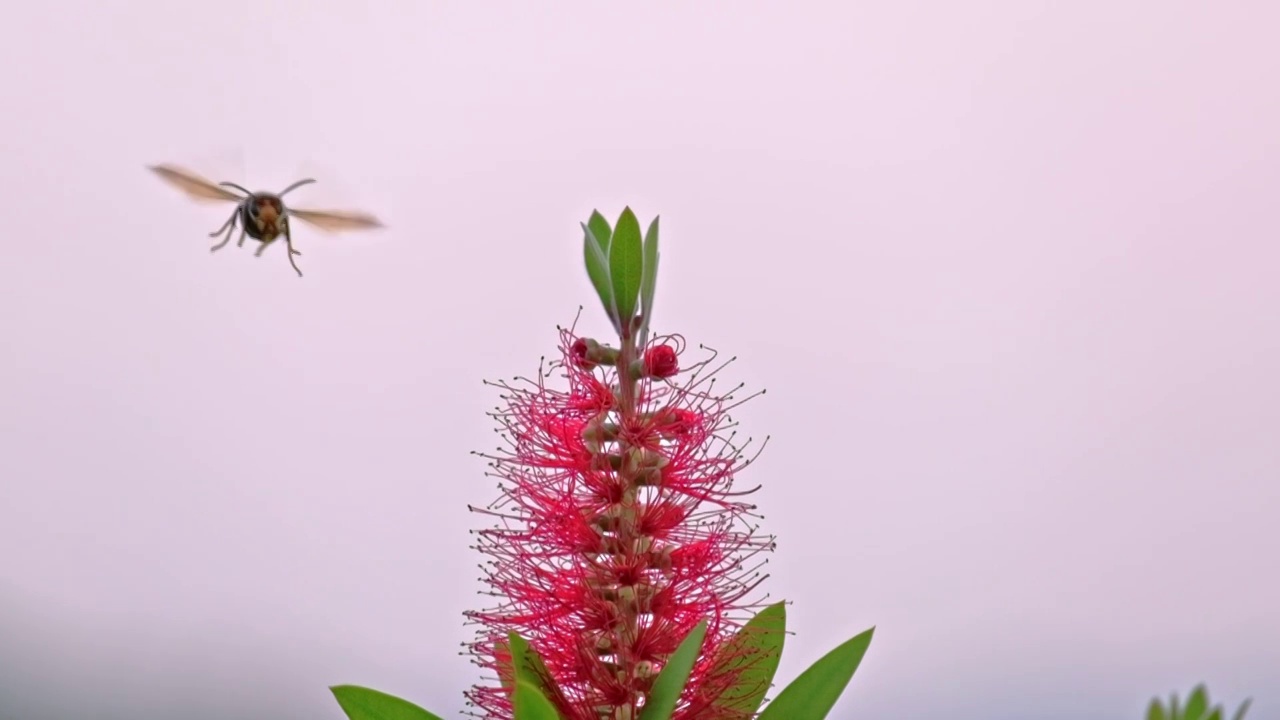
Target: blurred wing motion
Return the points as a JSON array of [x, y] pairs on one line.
[[193, 185], [336, 221]]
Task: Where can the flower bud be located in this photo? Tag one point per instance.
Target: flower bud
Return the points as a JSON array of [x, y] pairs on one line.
[[660, 361], [587, 353]]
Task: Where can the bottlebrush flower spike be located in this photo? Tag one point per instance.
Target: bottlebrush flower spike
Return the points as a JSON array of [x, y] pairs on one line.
[[617, 529]]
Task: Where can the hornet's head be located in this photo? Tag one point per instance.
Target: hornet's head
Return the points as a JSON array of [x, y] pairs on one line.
[[266, 212]]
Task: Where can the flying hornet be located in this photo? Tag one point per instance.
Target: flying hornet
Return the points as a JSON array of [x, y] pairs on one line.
[[261, 215]]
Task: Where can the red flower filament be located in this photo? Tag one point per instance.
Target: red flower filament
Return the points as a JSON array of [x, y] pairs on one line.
[[617, 530]]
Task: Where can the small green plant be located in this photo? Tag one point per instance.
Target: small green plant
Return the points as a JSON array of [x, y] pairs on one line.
[[1196, 708]]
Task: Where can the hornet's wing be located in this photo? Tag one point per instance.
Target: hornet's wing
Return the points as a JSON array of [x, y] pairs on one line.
[[336, 220], [193, 185]]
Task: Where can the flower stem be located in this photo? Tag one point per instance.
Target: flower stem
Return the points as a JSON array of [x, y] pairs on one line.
[[630, 599]]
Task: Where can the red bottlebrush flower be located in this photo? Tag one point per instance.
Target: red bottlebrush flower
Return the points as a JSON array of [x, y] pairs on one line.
[[617, 531], [660, 361]]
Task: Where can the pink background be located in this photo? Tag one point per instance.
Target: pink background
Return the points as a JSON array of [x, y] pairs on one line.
[[1008, 270]]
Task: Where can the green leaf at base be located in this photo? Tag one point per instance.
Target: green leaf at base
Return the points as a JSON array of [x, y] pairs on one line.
[[361, 703], [812, 695], [530, 704], [1197, 704], [670, 683], [752, 654], [1197, 707], [525, 664]]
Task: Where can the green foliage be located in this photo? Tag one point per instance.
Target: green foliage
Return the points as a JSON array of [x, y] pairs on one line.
[[623, 268], [521, 671], [752, 654], [601, 230], [525, 664], [674, 676], [595, 248], [812, 695], [531, 704], [649, 279], [360, 703], [1196, 708], [626, 265]]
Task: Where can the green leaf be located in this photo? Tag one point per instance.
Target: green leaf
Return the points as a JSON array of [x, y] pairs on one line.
[[506, 665], [1155, 711], [530, 704], [598, 271], [361, 703], [603, 234], [648, 279], [526, 669], [812, 695], [1197, 704], [601, 230], [626, 264], [667, 687], [752, 654], [1244, 707], [526, 664], [1215, 714]]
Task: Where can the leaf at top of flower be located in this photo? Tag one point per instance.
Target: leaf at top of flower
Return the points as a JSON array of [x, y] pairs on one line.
[[626, 265], [361, 703], [1197, 704], [531, 704], [812, 695], [751, 658], [1155, 711], [670, 683], [648, 279], [598, 270], [601, 230]]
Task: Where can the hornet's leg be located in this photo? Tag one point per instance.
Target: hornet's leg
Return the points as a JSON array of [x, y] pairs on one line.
[[230, 221], [288, 242], [240, 243], [262, 247], [230, 227]]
